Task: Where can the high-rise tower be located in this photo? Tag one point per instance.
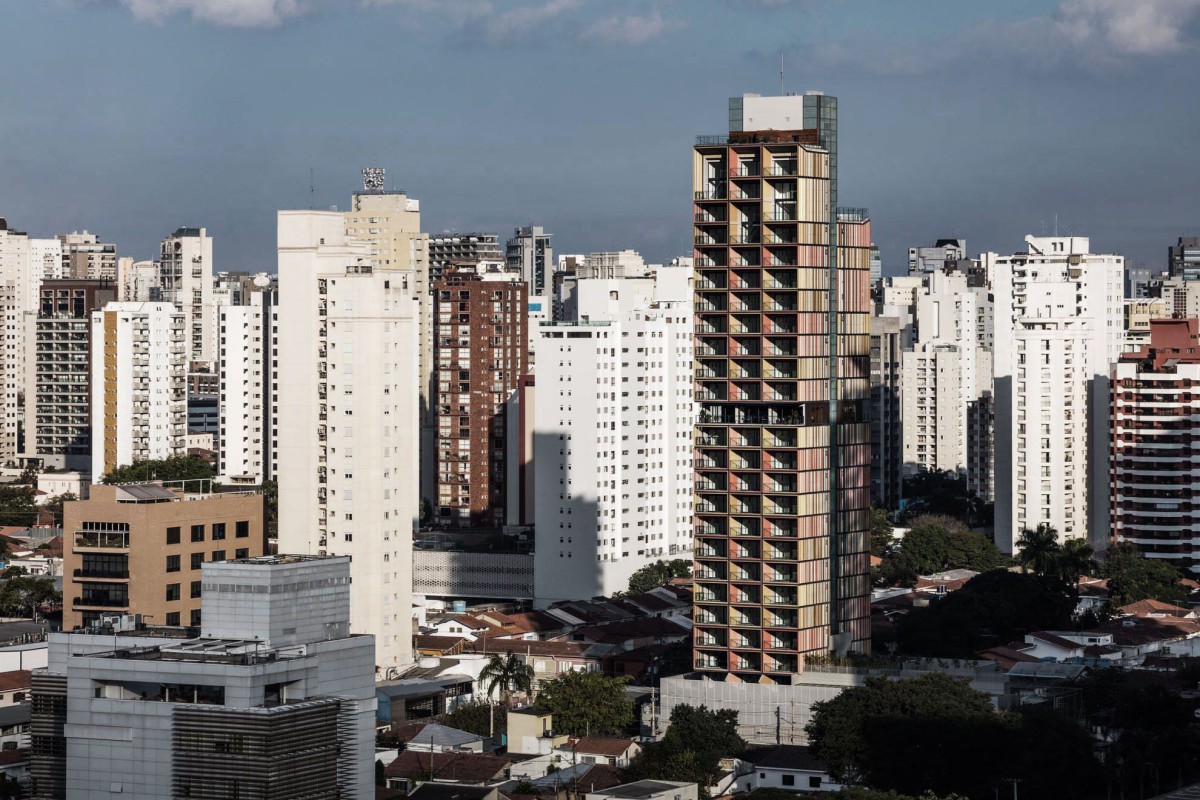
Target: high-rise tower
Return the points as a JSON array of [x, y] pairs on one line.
[[782, 379]]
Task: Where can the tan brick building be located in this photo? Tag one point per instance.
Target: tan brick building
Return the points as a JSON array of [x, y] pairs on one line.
[[137, 549]]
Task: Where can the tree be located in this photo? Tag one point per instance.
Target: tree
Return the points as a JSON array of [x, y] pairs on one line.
[[587, 703], [660, 573], [270, 493], [840, 732], [1133, 577], [507, 673], [1074, 561], [934, 544], [173, 468], [881, 532], [941, 492], [692, 749], [23, 595], [923, 550], [18, 505], [477, 718], [991, 609], [55, 505], [1039, 550]]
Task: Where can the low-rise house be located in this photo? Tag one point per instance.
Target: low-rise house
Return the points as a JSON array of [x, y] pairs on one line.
[[531, 732], [609, 750], [413, 767], [548, 659], [14, 726], [14, 687], [435, 738], [567, 782], [792, 768], [443, 791], [648, 790], [409, 699]]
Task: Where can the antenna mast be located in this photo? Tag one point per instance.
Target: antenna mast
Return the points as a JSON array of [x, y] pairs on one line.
[[781, 91]]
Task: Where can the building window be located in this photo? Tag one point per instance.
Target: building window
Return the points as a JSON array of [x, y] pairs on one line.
[[173, 563], [173, 535], [814, 782], [218, 555], [197, 560], [788, 780], [172, 591], [218, 530], [197, 533], [195, 588], [240, 553], [173, 618], [195, 621], [243, 528]]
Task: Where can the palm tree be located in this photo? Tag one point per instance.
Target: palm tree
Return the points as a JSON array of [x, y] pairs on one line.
[[1075, 561], [1039, 550], [509, 674]]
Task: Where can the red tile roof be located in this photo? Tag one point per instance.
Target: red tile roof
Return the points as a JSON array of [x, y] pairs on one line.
[[1146, 607], [16, 679], [610, 746], [455, 767]]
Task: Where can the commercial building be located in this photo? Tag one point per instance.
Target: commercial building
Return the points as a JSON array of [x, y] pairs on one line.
[[85, 257], [612, 436], [1183, 258], [943, 253], [1059, 326], [529, 250], [481, 336], [782, 467], [446, 249], [388, 221], [1153, 433], [348, 409], [185, 278], [247, 351], [138, 548], [274, 698], [58, 421], [139, 396]]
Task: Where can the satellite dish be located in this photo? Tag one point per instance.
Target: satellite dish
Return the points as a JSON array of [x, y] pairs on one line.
[[262, 280]]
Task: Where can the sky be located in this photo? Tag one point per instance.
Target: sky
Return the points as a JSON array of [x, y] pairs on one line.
[[971, 120]]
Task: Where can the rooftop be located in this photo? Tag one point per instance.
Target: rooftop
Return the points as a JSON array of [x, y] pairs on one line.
[[639, 790], [220, 651]]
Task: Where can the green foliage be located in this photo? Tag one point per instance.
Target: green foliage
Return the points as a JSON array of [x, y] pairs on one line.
[[1076, 560], [881, 532], [509, 674], [937, 543], [380, 774], [692, 748], [55, 505], [676, 659], [993, 608], [18, 504], [953, 742], [477, 718], [944, 493], [270, 493], [862, 793], [660, 573], [22, 595], [174, 468], [1133, 577], [1039, 550], [587, 703]]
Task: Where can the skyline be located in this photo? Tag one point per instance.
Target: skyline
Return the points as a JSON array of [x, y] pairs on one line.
[[951, 121]]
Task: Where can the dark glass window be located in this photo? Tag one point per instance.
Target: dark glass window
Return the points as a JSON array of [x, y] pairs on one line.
[[218, 530], [172, 591], [243, 528], [195, 588], [197, 560], [197, 533], [173, 535], [172, 563]]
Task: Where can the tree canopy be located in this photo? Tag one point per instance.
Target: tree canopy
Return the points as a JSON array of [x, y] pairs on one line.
[[508, 675], [692, 748], [936, 543], [1133, 577], [942, 492], [991, 609], [587, 703], [173, 468], [660, 573], [881, 532]]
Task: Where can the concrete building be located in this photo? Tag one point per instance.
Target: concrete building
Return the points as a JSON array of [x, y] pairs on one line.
[[1059, 326], [85, 257], [348, 414], [887, 452], [247, 352], [1183, 258], [388, 221], [137, 281], [943, 253], [1139, 313], [185, 278], [612, 438], [946, 382], [481, 336], [1180, 297], [529, 250], [58, 421], [1153, 434], [450, 248], [138, 548], [139, 396], [274, 698], [783, 441]]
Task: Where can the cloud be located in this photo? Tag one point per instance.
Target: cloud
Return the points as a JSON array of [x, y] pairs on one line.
[[226, 13], [630, 29], [1130, 27]]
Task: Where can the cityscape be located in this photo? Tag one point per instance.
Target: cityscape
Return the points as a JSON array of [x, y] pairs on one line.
[[872, 479]]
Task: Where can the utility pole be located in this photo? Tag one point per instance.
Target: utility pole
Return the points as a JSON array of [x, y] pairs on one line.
[[778, 724]]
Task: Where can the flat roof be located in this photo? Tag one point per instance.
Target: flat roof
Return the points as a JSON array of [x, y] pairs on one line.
[[640, 789]]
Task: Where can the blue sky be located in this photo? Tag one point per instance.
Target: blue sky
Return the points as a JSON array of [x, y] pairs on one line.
[[974, 120]]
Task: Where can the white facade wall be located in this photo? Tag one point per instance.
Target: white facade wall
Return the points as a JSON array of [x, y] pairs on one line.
[[185, 277], [22, 264], [139, 397], [246, 337], [348, 413], [137, 281], [1059, 325], [612, 448]]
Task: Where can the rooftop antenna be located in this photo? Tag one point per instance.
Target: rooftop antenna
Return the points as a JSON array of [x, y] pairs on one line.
[[781, 91], [312, 190], [1056, 223]]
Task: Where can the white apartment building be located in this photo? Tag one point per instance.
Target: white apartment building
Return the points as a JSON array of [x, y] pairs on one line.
[[946, 382], [185, 278], [388, 221], [1059, 325], [139, 384], [137, 281], [83, 256], [247, 346], [348, 414], [612, 439]]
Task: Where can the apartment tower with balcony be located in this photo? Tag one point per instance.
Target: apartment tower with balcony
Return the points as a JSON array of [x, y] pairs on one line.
[[782, 380], [185, 278]]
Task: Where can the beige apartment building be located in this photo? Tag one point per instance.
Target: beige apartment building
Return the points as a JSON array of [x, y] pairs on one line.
[[137, 548]]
